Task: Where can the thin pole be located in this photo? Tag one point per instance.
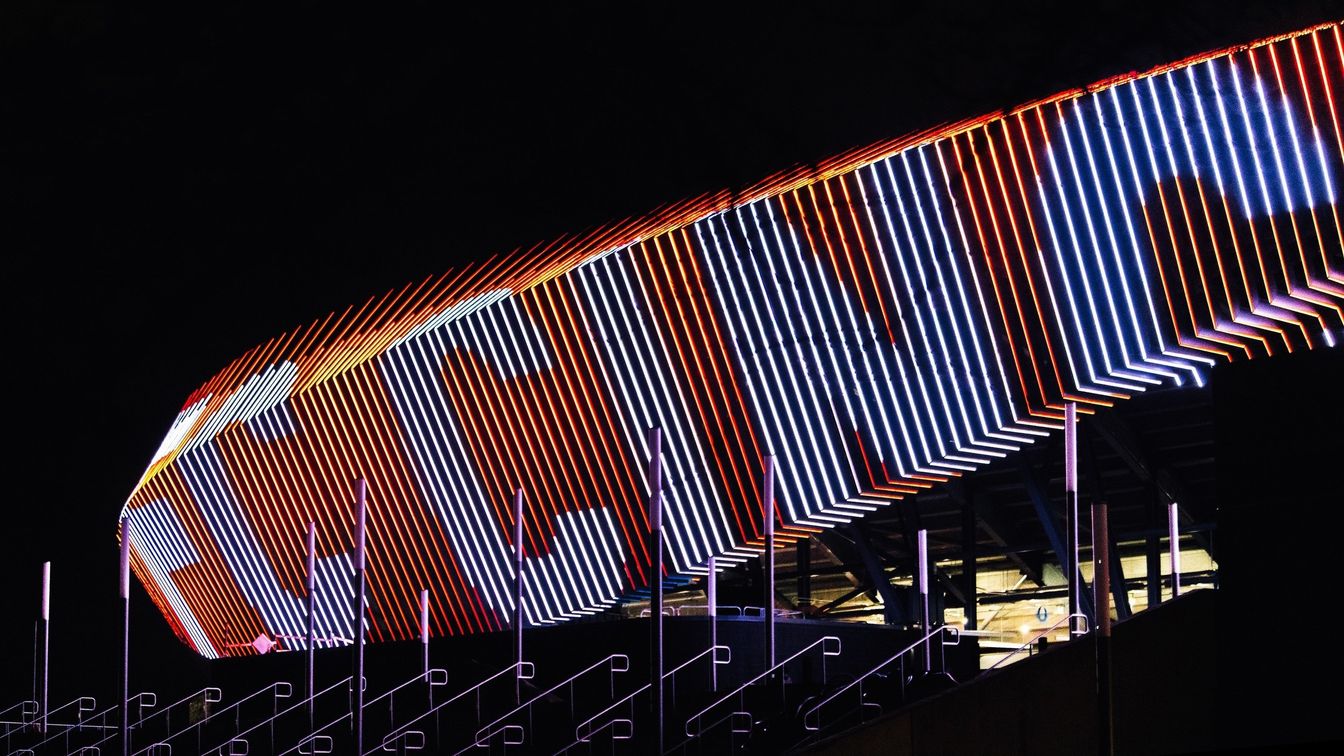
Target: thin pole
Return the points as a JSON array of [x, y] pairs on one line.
[[361, 492], [1101, 583], [803, 556], [310, 568], [1174, 543], [1153, 553], [518, 597], [424, 631], [1070, 560], [925, 618], [656, 580], [46, 642], [968, 563], [712, 598], [768, 514], [125, 575]]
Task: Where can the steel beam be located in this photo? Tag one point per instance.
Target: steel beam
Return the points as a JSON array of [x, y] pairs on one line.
[[1117, 432], [1041, 502], [1000, 530], [895, 611], [1098, 491]]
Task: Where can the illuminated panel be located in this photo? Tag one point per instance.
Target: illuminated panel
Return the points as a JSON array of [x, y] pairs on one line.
[[881, 323]]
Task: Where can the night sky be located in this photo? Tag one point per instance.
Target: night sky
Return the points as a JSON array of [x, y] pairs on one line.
[[183, 183]]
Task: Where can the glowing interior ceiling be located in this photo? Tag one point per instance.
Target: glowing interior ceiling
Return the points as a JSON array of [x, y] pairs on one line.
[[898, 316]]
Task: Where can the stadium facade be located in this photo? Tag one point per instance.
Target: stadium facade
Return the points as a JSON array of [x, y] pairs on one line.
[[879, 323]]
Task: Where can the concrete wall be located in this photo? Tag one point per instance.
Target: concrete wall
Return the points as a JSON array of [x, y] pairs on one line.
[[1165, 681]]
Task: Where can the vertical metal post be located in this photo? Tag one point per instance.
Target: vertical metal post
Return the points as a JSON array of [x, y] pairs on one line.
[[804, 560], [518, 597], [46, 644], [125, 575], [712, 598], [1101, 584], [1174, 543], [310, 584], [1070, 560], [1153, 552], [361, 519], [925, 618], [968, 563], [768, 511], [424, 631], [656, 581]]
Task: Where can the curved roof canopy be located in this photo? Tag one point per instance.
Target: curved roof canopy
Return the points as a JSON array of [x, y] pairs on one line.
[[881, 323]]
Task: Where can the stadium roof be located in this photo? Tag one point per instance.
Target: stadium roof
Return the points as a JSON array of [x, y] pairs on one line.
[[881, 323]]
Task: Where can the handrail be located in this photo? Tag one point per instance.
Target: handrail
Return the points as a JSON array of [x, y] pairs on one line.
[[816, 709], [675, 610], [1027, 646], [741, 611], [26, 708], [405, 729], [80, 708], [164, 743], [218, 696], [645, 688], [759, 611], [115, 731], [823, 642], [434, 677], [27, 715], [270, 720], [79, 702], [487, 732]]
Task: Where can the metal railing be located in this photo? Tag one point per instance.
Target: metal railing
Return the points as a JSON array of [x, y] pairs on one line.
[[721, 610], [696, 727], [240, 739], [585, 730], [524, 671], [27, 714], [812, 717], [165, 712], [614, 663], [81, 705], [141, 701], [164, 747], [1082, 622], [433, 678]]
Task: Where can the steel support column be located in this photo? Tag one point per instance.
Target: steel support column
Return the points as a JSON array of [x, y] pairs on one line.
[[1101, 582], [361, 520], [1153, 551], [310, 587], [518, 596], [969, 565], [656, 582], [1041, 503], [925, 618], [45, 634], [1070, 558], [768, 559], [1174, 545], [125, 574], [712, 609]]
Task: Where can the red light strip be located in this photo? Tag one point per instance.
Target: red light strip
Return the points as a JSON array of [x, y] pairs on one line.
[[856, 320]]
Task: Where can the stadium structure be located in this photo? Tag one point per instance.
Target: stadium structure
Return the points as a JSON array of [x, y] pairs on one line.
[[865, 458], [881, 324]]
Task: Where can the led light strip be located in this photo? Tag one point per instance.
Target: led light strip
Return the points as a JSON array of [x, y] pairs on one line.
[[898, 316]]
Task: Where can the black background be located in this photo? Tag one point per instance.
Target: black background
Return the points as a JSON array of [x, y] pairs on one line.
[[182, 182]]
